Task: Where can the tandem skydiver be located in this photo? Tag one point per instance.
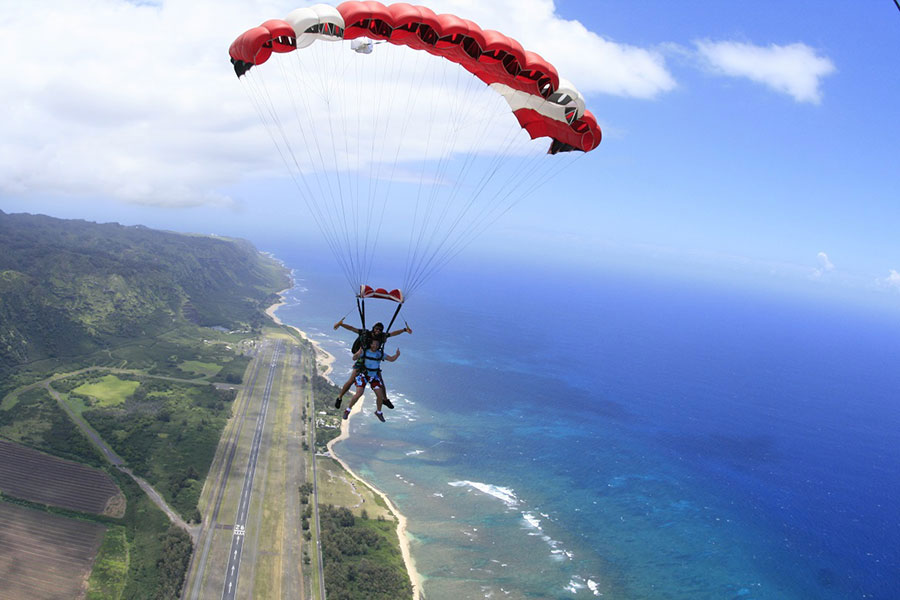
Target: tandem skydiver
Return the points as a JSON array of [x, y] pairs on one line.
[[370, 372], [363, 337]]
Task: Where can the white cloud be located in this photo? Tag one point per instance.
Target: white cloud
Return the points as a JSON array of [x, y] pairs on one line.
[[794, 69], [824, 262], [136, 100], [892, 281], [592, 62], [825, 266]]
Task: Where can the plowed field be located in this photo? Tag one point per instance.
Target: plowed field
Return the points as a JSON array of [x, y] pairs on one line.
[[44, 556], [39, 477]]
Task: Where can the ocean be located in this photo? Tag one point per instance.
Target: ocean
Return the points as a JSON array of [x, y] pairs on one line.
[[582, 435]]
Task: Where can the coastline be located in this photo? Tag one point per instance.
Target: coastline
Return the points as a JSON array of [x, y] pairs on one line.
[[325, 358]]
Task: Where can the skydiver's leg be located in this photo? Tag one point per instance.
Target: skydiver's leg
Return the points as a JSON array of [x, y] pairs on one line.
[[353, 374], [379, 398], [356, 396], [386, 400]]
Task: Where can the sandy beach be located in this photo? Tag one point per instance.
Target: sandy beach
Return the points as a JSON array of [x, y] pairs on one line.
[[326, 359]]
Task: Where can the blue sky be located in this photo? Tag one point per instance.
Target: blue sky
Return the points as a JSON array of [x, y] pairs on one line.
[[742, 141]]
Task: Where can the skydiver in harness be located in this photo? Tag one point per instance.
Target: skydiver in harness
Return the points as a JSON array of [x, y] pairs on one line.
[[364, 338], [370, 373]]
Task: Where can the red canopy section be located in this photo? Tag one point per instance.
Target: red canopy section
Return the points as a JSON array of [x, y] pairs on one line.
[[367, 291], [489, 55]]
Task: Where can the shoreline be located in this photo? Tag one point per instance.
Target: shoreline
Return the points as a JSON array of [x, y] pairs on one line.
[[327, 359]]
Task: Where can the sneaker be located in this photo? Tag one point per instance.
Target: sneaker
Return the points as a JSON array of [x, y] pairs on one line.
[[387, 403], [380, 416], [346, 413], [337, 402]]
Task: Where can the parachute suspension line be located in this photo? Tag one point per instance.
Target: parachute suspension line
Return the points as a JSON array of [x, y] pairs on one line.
[[461, 243], [380, 72], [457, 117], [433, 257], [413, 241], [300, 99], [262, 102], [397, 66], [460, 112], [345, 101], [331, 212], [338, 177], [308, 85], [449, 246]]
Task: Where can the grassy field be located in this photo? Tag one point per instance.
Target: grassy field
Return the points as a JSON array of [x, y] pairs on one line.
[[110, 572], [203, 369], [340, 488], [109, 391]]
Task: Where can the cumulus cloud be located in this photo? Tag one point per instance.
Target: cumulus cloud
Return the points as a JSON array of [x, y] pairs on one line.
[[825, 265], [136, 100], [794, 69], [892, 281]]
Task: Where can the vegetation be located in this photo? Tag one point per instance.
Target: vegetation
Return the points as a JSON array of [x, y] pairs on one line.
[[110, 572], [233, 370], [158, 552], [327, 428], [34, 419], [361, 556], [167, 432], [72, 289]]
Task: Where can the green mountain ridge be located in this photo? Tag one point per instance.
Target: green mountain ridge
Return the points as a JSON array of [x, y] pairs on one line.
[[72, 287]]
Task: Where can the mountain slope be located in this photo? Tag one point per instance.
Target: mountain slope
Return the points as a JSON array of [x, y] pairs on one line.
[[72, 287]]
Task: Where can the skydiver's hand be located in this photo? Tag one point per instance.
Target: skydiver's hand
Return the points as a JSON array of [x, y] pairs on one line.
[[408, 330], [338, 324]]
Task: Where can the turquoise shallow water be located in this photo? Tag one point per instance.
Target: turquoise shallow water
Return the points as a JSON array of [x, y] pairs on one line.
[[655, 441]]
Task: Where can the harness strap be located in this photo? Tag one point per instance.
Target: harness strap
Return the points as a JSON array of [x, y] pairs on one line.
[[387, 330]]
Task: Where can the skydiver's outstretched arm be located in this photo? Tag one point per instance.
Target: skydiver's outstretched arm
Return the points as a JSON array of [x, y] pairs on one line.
[[399, 331], [393, 357], [345, 326]]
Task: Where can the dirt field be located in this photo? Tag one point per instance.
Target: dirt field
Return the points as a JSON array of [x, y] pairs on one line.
[[43, 556], [39, 477]]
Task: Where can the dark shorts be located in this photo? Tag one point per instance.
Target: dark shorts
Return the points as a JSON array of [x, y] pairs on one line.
[[374, 380]]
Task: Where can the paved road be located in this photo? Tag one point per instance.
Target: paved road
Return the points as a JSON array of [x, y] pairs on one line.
[[233, 568], [195, 582]]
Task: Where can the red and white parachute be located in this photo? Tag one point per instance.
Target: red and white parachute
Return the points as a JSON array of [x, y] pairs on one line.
[[389, 115]]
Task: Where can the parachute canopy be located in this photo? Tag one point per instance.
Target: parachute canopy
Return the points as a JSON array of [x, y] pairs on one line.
[[397, 117], [544, 104]]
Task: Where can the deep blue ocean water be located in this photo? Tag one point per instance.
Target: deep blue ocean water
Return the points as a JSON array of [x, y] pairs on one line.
[[610, 435]]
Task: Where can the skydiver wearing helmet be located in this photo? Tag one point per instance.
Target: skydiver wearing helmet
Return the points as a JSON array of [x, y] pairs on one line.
[[364, 338], [370, 373]]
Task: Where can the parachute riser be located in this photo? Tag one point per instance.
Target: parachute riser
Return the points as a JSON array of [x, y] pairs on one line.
[[394, 318]]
